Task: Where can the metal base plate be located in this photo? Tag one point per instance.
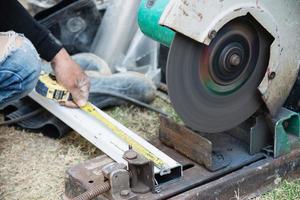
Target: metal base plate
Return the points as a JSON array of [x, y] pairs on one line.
[[197, 183], [250, 181], [194, 175], [243, 173]]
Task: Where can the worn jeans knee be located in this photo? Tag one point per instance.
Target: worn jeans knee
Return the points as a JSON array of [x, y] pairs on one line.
[[19, 72]]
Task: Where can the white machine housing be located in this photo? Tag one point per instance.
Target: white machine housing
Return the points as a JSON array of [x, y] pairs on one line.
[[198, 19]]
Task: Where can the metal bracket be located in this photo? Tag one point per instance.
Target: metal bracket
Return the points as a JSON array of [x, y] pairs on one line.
[[286, 126], [118, 178], [255, 132], [141, 172], [89, 175]]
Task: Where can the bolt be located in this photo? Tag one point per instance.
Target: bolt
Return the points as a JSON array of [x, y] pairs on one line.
[[124, 193], [272, 75], [150, 3], [285, 124], [157, 189], [212, 34], [235, 59], [130, 155]]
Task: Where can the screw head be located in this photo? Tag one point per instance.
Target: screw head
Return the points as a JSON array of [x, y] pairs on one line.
[[235, 60], [130, 155], [285, 124], [212, 34], [124, 193], [272, 75], [150, 3]]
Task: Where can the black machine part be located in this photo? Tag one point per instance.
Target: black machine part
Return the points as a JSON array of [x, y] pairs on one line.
[[214, 88], [73, 22], [293, 101], [141, 172]]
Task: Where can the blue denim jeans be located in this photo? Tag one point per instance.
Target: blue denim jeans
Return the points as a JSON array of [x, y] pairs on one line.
[[19, 71]]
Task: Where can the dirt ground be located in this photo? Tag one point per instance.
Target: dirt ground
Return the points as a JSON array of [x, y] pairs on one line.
[[33, 166]]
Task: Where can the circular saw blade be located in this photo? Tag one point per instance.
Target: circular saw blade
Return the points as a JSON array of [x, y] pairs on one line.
[[200, 108]]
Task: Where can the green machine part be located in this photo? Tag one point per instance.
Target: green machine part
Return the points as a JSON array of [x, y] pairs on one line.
[[286, 132], [149, 14]]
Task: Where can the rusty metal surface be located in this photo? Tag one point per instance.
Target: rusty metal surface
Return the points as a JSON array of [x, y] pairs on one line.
[[198, 183], [187, 142], [248, 181], [141, 172], [245, 175], [85, 176], [193, 175], [119, 180], [191, 144]]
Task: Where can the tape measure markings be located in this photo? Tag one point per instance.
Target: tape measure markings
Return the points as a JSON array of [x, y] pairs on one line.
[[89, 108]]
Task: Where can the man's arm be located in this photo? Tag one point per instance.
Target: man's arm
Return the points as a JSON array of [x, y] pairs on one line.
[[13, 16]]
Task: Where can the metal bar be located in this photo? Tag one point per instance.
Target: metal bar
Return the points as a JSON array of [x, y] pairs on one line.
[[103, 137]]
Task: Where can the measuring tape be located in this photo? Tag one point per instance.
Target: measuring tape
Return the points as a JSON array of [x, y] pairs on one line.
[[47, 86]]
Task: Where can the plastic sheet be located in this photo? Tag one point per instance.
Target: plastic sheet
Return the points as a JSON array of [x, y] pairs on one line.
[[116, 31], [142, 56]]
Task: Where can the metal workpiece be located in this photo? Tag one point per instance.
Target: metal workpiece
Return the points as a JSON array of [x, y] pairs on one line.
[[116, 31], [198, 19], [141, 170], [106, 140]]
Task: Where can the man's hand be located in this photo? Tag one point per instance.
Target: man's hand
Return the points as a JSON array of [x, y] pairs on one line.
[[69, 74]]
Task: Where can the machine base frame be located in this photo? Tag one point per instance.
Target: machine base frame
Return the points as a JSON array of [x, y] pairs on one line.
[[245, 175]]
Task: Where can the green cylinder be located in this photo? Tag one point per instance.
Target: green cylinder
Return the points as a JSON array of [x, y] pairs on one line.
[[149, 14]]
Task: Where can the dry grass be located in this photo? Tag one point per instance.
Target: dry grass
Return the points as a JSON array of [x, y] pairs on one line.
[[33, 166]]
